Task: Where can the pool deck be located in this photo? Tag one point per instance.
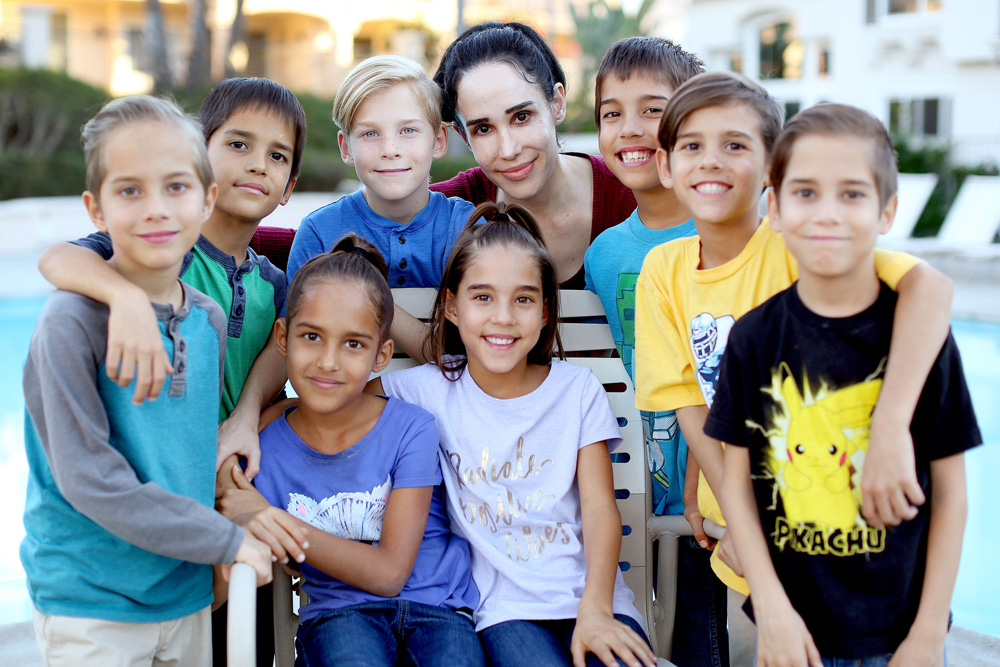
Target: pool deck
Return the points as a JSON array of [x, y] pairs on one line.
[[976, 272]]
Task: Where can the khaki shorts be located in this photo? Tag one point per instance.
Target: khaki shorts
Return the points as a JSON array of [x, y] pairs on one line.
[[71, 641]]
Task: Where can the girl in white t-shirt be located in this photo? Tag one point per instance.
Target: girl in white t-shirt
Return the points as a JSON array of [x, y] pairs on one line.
[[525, 446]]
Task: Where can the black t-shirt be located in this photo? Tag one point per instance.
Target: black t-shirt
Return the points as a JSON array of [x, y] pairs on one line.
[[798, 389]]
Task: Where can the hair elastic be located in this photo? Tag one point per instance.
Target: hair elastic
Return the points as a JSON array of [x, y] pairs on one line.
[[501, 217], [360, 251]]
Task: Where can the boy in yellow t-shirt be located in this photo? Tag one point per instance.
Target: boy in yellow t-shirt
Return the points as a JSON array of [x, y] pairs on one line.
[[715, 141]]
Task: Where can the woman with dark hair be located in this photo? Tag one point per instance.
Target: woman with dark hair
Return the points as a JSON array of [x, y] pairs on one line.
[[505, 93]]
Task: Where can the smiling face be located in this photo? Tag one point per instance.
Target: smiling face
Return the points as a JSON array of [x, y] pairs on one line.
[[510, 127], [151, 201], [828, 207], [251, 155], [331, 345], [499, 311], [717, 165], [630, 114], [391, 145]]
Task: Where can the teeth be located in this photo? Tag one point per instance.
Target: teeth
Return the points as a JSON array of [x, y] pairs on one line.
[[634, 156], [711, 188], [499, 340]]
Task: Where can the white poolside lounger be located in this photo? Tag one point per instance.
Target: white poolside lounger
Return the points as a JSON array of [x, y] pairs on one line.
[[914, 191], [974, 216]]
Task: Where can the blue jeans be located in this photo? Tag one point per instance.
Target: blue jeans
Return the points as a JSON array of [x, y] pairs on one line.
[[874, 661], [389, 633], [533, 643], [700, 636]]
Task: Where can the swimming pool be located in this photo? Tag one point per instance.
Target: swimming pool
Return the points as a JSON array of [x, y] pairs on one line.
[[976, 602]]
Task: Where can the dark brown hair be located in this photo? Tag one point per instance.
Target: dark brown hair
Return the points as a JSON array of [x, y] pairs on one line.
[[839, 120], [655, 57], [506, 225], [720, 89], [351, 259]]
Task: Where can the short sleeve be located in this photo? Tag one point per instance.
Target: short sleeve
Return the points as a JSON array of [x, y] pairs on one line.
[[98, 242], [725, 420], [598, 419], [664, 378], [588, 279], [417, 462], [892, 265], [944, 419]]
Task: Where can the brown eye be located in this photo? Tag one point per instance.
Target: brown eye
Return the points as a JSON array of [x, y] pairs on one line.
[[799, 449], [833, 450]]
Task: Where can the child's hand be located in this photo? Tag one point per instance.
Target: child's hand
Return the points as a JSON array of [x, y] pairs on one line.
[[254, 553], [606, 637], [244, 499], [238, 435], [697, 523], [783, 639], [889, 488], [727, 554], [919, 650], [279, 531], [135, 347]]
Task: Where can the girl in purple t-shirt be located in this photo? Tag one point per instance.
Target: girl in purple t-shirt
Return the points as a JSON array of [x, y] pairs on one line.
[[352, 484]]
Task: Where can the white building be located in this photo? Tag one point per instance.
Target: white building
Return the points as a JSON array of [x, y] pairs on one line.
[[927, 68]]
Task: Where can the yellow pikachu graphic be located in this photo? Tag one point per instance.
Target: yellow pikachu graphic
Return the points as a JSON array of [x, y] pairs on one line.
[[823, 436]]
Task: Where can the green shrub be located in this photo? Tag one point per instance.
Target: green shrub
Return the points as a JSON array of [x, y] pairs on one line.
[[41, 175]]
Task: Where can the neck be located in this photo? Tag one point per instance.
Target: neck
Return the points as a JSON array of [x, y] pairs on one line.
[[161, 286], [519, 381], [229, 234], [330, 433], [723, 242], [659, 208], [840, 296], [401, 211]]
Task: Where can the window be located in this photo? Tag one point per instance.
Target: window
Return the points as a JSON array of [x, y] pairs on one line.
[[256, 54], [911, 6], [792, 108], [363, 48], [919, 117], [736, 62], [136, 50], [780, 52]]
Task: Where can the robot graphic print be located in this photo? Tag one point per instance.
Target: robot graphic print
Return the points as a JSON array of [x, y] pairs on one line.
[[708, 342]]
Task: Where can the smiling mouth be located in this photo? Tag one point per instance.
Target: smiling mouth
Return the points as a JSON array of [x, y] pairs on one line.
[[391, 172], [635, 157], [520, 172], [500, 341], [712, 188], [252, 188], [324, 383], [158, 237]]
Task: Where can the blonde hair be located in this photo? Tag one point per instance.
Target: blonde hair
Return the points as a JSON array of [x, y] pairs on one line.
[[139, 109], [378, 73]]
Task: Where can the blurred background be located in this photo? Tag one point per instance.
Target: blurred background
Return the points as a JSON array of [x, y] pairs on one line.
[[929, 68]]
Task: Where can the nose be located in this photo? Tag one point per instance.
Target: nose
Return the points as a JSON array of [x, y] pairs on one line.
[[503, 312], [828, 210], [258, 162], [631, 127], [329, 359], [510, 146], [388, 146], [156, 206], [711, 159]]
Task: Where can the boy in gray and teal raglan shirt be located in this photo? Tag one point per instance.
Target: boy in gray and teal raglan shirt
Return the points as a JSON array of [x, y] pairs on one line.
[[121, 530]]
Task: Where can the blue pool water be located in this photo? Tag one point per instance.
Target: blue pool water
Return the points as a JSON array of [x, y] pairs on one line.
[[976, 602]]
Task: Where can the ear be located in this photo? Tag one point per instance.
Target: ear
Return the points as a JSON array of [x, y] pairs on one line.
[[281, 336], [384, 356], [772, 210], [450, 310], [888, 214], [211, 194], [288, 191], [663, 168], [441, 141], [345, 148], [94, 211], [559, 103]]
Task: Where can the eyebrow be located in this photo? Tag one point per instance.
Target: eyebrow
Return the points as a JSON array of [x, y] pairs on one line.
[[315, 327], [487, 286], [251, 135], [851, 181], [507, 112], [644, 98], [128, 178]]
